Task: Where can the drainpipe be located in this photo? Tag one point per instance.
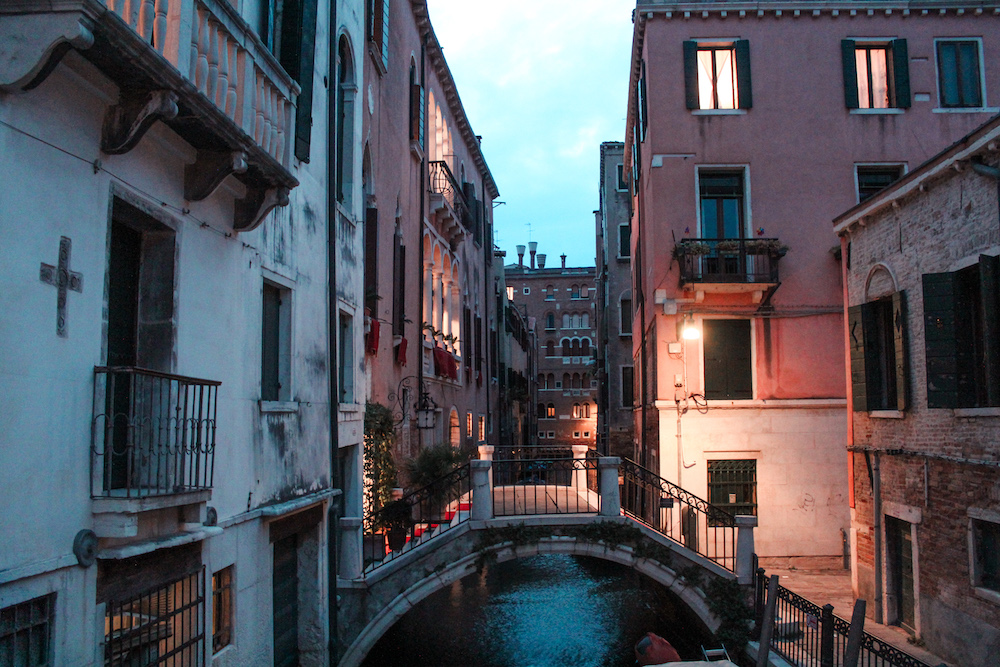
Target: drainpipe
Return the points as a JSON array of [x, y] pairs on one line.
[[877, 524], [424, 317], [333, 507]]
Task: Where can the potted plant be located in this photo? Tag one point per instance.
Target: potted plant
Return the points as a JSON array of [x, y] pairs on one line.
[[691, 247], [728, 247], [396, 518], [425, 470]]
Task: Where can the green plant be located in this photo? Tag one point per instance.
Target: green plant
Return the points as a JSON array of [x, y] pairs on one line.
[[395, 514], [728, 601], [379, 465], [728, 247], [766, 247], [689, 247], [431, 464]]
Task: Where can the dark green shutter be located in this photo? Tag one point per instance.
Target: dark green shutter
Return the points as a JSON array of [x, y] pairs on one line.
[[307, 56], [989, 289], [385, 34], [940, 339], [421, 106], [901, 74], [856, 344], [847, 48], [899, 348], [371, 259], [743, 73], [728, 373], [691, 74], [644, 107]]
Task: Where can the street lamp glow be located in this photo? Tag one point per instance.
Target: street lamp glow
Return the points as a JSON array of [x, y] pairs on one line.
[[690, 331]]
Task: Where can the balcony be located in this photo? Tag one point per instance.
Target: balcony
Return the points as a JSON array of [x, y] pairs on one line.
[[729, 265], [195, 65], [152, 434], [449, 201]]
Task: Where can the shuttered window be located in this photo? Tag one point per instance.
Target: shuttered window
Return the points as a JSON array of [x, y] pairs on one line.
[[398, 283], [378, 30], [877, 337], [728, 372], [959, 74], [371, 260], [717, 76], [417, 106], [876, 75]]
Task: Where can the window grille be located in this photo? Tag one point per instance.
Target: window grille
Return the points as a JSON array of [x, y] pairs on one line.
[[26, 632], [732, 486]]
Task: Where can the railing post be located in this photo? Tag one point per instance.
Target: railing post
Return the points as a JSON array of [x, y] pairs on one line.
[[745, 548], [855, 634], [482, 490], [486, 454], [826, 636], [767, 624], [579, 474], [350, 548], [758, 603], [607, 480]]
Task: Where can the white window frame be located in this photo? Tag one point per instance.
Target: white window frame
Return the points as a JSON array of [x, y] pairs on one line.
[[525, 291], [747, 207], [980, 515], [620, 174], [286, 338], [982, 78], [861, 165]]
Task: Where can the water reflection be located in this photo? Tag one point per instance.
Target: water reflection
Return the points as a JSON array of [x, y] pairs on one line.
[[540, 611]]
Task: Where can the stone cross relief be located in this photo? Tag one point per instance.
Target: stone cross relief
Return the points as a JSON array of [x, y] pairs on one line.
[[63, 280]]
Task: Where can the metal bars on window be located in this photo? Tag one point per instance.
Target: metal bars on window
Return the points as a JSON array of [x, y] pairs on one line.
[[732, 486], [26, 632]]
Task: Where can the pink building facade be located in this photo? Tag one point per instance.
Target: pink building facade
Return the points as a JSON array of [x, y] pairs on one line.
[[750, 126]]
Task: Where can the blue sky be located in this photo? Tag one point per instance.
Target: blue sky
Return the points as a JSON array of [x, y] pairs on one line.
[[544, 83]]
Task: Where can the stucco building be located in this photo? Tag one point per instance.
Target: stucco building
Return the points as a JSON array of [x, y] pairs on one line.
[[922, 303], [750, 125]]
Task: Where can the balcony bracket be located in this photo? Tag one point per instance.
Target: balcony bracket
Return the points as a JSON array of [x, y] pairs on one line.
[[209, 170], [31, 45], [252, 209], [136, 111]]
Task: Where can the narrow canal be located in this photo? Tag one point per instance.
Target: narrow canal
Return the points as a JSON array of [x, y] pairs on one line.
[[538, 612]]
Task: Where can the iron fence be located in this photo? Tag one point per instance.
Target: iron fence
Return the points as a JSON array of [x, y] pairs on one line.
[[679, 515], [544, 485], [416, 517], [152, 433], [729, 260]]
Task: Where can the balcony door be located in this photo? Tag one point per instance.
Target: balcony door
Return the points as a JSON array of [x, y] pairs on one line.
[[721, 209]]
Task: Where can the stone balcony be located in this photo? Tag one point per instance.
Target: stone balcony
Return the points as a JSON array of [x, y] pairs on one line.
[[195, 65]]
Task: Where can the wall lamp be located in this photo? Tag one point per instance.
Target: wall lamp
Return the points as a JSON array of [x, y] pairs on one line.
[[688, 329]]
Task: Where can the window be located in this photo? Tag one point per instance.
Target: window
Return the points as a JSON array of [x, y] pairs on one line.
[[550, 321], [628, 380], [574, 292], [552, 434], [378, 30], [717, 75], [576, 434], [26, 632], [550, 411], [276, 354], [222, 609], [962, 335], [468, 424], [876, 74], [346, 90], [399, 282], [732, 486], [550, 293], [584, 292], [960, 79], [625, 316], [641, 107], [346, 358], [567, 321], [721, 199], [876, 332], [873, 178], [482, 428], [624, 240], [585, 321], [577, 413], [985, 556], [550, 348], [418, 104], [621, 185], [586, 410], [727, 359], [586, 434], [541, 435], [526, 291], [550, 381], [567, 347]]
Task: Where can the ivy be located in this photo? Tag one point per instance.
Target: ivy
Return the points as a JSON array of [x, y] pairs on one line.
[[728, 601], [380, 467]]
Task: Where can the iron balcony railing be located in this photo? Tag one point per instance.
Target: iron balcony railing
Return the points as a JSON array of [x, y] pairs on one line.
[[443, 183], [729, 260], [152, 433], [532, 482], [679, 515]]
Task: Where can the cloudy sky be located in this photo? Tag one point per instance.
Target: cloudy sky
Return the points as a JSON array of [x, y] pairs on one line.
[[544, 83]]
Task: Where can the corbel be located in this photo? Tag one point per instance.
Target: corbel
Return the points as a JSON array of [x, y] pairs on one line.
[[250, 211], [126, 122], [31, 45], [210, 168]]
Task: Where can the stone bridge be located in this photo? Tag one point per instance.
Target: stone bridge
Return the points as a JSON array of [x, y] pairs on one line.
[[496, 522]]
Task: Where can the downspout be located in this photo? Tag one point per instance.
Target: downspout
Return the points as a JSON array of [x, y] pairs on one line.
[[844, 250], [333, 507], [877, 524], [486, 289], [420, 237]]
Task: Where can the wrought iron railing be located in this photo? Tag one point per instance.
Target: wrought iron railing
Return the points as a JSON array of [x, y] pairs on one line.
[[808, 635], [544, 485], [729, 260], [152, 433], [443, 182], [416, 517], [679, 515]]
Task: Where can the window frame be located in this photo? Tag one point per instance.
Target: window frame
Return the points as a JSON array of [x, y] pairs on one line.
[[623, 320], [222, 598], [873, 168], [625, 249], [877, 338], [49, 601], [731, 467], [282, 328], [742, 83], [897, 64], [728, 363], [977, 518], [746, 219], [630, 404], [939, 74], [622, 184], [346, 382]]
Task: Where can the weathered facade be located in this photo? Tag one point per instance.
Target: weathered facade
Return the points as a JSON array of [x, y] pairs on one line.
[[922, 302], [615, 377], [166, 471], [750, 125]]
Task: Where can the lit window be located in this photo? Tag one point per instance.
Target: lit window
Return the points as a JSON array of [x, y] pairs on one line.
[[222, 609], [960, 82], [482, 428], [717, 75], [468, 424], [732, 486], [576, 411], [873, 76], [26, 632], [876, 75], [550, 411]]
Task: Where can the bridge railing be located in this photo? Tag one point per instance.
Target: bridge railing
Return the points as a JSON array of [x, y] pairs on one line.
[[678, 514], [544, 485], [419, 515]]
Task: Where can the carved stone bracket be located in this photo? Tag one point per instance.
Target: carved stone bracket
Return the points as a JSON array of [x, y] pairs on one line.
[[136, 111], [209, 170], [251, 210], [31, 45]]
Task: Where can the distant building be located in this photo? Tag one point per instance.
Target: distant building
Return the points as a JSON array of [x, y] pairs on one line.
[[922, 291], [615, 367], [750, 126], [562, 302]]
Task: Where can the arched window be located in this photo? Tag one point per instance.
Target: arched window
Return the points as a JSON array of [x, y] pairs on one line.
[[550, 381], [550, 411], [625, 314], [550, 321], [576, 380], [584, 291], [567, 321], [541, 381], [567, 348], [550, 293], [567, 384], [576, 411], [550, 349], [577, 321], [541, 410], [576, 348], [574, 292], [586, 410], [586, 381], [585, 348], [346, 90], [586, 320]]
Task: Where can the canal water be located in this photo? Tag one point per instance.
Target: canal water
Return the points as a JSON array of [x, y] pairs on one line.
[[547, 610]]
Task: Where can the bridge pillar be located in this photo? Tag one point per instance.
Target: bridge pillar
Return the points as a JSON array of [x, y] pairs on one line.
[[580, 474], [607, 479], [486, 454], [482, 490], [351, 565], [745, 548]]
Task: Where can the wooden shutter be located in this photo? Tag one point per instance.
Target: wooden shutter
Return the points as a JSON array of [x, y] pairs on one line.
[[304, 103], [847, 49], [743, 74], [398, 285], [270, 386], [643, 106], [899, 348], [371, 259], [900, 74], [691, 74], [417, 113], [385, 34], [989, 289], [728, 373], [856, 343], [940, 339]]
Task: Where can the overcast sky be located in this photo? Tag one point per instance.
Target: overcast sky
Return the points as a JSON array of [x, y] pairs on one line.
[[544, 83]]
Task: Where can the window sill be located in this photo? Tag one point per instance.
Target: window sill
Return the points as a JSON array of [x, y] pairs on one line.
[[624, 258], [346, 214], [349, 407], [966, 110], [977, 412], [376, 56], [987, 594], [624, 335], [416, 150], [275, 407], [718, 112], [877, 112], [886, 414]]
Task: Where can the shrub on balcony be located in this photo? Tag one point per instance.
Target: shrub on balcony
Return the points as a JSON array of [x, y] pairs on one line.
[[691, 248], [728, 247], [380, 467], [766, 247]]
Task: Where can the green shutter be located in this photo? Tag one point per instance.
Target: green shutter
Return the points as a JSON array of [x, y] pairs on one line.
[[743, 73], [421, 119], [847, 48], [856, 343], [728, 373], [644, 107], [303, 106], [901, 74], [940, 339], [385, 34], [691, 74], [899, 348], [371, 259], [989, 289]]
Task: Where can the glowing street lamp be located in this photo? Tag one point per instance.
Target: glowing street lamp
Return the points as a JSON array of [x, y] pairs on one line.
[[689, 331]]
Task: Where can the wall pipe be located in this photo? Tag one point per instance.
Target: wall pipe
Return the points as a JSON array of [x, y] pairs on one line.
[[424, 317]]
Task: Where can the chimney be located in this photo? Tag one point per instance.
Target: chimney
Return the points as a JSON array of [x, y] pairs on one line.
[[532, 247], [520, 256], [541, 260], [563, 258]]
